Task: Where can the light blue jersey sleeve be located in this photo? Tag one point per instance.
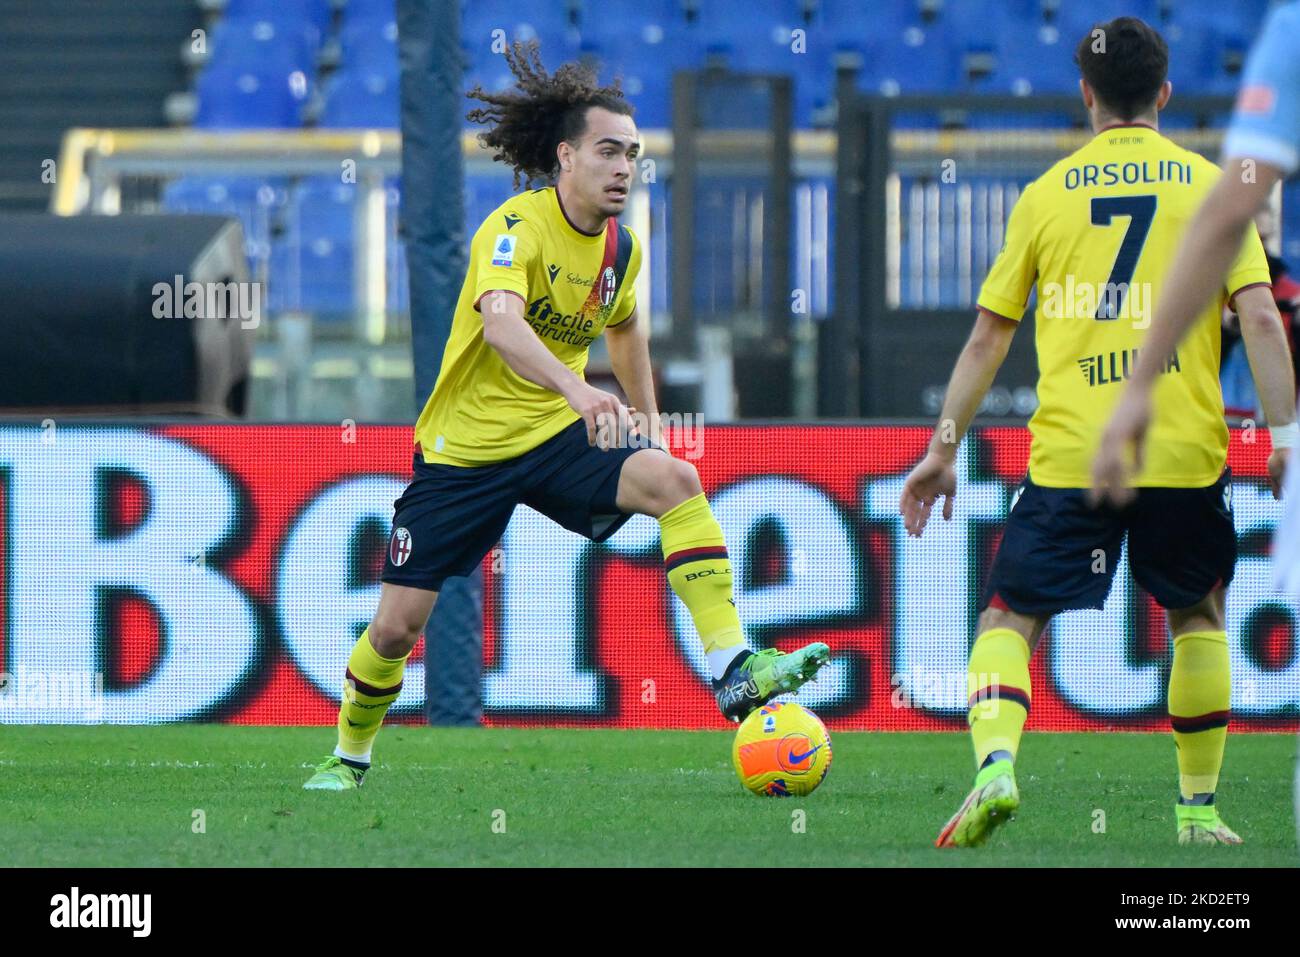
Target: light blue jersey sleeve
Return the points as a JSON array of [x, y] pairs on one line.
[[1266, 121]]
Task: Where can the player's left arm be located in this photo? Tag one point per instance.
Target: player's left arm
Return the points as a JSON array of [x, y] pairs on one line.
[[629, 357], [1269, 355], [1262, 147]]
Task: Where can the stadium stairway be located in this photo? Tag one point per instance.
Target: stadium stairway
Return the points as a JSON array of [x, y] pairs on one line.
[[80, 63]]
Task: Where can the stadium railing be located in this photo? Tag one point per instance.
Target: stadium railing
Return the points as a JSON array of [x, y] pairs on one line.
[[108, 171], [917, 244]]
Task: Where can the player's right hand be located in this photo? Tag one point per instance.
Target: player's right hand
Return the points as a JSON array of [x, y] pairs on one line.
[[934, 476], [1119, 454], [604, 413]]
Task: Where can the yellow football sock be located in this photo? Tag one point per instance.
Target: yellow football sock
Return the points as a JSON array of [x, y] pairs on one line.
[[695, 558], [1200, 694], [372, 684], [997, 683]]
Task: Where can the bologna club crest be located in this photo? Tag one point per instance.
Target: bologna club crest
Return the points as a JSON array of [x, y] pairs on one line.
[[399, 546], [608, 285]]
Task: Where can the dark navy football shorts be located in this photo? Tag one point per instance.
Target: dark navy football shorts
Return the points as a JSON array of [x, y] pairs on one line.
[[1181, 545], [451, 516]]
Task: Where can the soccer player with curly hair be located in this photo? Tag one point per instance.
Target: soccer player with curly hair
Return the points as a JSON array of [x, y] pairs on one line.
[[511, 419]]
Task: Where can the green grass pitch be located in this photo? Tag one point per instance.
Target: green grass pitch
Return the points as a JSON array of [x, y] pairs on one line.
[[104, 796]]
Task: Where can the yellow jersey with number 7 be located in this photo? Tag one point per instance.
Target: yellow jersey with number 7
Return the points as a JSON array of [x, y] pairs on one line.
[[1096, 235]]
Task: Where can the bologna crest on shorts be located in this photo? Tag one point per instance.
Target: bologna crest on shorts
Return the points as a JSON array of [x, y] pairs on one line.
[[399, 546], [608, 286]]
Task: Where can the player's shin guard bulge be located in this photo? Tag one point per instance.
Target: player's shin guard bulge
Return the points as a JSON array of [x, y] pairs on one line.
[[699, 571], [1200, 690], [372, 683], [997, 682]]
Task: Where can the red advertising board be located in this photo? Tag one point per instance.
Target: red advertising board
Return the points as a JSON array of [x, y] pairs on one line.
[[222, 572]]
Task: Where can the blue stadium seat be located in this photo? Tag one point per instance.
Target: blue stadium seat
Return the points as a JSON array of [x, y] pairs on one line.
[[1240, 18], [315, 12], [362, 98], [646, 69], [1075, 18], [557, 46], [764, 48], [985, 16], [1035, 60], [315, 260], [660, 19], [914, 61], [369, 10], [250, 97], [546, 22], [981, 27], [1195, 59], [369, 44], [312, 264], [1224, 33], [863, 20], [259, 42], [746, 23], [256, 202]]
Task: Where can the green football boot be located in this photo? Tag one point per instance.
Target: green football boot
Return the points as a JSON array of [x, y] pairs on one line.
[[1200, 824], [333, 775], [994, 799], [755, 679]]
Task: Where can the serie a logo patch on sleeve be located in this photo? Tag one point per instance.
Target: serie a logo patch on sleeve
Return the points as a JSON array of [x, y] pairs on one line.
[[503, 250]]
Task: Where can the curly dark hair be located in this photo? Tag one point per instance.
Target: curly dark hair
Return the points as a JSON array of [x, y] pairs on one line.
[[541, 111]]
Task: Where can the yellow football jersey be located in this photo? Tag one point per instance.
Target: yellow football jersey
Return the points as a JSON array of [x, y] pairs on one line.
[[573, 285], [1097, 233]]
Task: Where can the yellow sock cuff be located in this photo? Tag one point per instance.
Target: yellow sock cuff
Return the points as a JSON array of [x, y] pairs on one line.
[[371, 674], [688, 526], [699, 571], [1200, 682], [999, 667], [372, 684], [997, 683], [1191, 637], [1200, 701]]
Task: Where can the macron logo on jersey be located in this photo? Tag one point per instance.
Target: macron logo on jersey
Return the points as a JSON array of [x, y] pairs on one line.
[[503, 250]]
